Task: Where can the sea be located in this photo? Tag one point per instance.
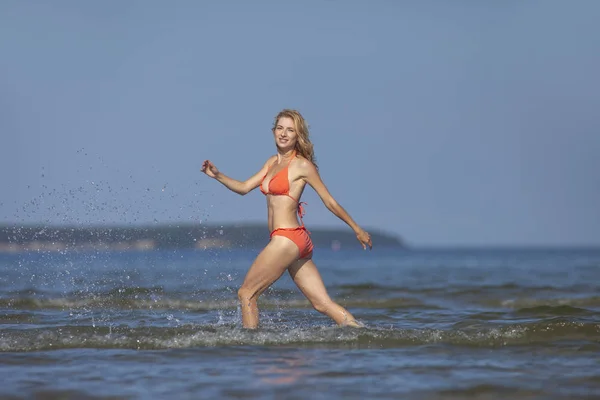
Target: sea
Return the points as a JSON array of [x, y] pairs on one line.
[[461, 323]]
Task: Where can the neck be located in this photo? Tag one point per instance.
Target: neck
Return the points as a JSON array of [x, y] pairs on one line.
[[285, 155]]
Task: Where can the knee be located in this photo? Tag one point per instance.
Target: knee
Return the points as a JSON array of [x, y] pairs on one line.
[[246, 294]]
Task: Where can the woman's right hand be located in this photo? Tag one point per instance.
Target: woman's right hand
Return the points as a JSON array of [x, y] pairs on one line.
[[209, 169]]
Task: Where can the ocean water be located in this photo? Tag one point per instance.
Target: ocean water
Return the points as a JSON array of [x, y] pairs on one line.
[[440, 324]]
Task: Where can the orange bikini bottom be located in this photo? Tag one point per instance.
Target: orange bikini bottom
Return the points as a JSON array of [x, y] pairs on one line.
[[298, 235]]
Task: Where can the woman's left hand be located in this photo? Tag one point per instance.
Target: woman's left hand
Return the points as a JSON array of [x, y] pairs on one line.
[[365, 239]]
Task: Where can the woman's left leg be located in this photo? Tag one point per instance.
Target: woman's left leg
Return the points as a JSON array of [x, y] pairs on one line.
[[305, 274]]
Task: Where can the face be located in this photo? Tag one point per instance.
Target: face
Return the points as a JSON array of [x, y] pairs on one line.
[[285, 133]]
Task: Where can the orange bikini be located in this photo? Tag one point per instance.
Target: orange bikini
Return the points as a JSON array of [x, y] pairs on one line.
[[280, 186]]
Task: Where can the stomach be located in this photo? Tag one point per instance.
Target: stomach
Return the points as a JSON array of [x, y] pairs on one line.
[[282, 212]]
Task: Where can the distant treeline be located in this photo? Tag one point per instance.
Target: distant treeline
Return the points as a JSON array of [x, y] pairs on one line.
[[15, 238]]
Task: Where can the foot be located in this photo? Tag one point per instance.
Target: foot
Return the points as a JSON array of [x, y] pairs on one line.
[[354, 324]]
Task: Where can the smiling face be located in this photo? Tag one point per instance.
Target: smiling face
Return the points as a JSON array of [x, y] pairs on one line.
[[285, 133]]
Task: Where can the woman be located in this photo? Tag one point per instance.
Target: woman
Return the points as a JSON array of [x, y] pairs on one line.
[[282, 179]]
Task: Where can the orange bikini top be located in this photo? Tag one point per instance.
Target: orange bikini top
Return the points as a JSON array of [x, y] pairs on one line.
[[280, 186]]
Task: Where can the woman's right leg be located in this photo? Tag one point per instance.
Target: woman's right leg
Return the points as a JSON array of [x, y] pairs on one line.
[[305, 274], [270, 264]]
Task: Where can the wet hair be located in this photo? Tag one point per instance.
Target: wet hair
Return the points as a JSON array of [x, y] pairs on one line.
[[304, 147]]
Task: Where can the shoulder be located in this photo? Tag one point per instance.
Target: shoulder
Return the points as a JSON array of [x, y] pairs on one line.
[[305, 167], [270, 160]]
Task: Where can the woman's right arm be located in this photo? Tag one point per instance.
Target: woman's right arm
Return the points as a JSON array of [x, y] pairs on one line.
[[234, 185]]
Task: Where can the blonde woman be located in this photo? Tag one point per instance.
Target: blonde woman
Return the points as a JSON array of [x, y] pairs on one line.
[[282, 179]]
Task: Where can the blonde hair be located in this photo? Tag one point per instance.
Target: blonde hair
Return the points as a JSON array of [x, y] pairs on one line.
[[304, 146]]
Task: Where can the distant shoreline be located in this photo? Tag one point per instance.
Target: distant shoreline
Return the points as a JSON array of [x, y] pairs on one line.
[[57, 238]]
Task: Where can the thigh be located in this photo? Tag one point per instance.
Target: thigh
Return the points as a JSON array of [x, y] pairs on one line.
[[270, 264], [305, 274]]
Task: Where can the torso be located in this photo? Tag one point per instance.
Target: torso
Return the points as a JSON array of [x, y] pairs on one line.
[[283, 207]]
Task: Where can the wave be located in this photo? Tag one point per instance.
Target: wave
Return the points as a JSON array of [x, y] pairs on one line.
[[503, 295], [14, 318], [546, 333], [156, 302], [553, 310], [538, 313], [526, 303], [156, 299]]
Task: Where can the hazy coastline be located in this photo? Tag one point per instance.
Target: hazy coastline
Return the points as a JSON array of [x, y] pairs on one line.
[[20, 238]]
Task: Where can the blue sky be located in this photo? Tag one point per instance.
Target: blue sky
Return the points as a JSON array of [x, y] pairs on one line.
[[448, 123]]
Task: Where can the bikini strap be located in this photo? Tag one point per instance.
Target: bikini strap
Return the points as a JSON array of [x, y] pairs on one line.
[[268, 169], [293, 156], [271, 166], [301, 211]]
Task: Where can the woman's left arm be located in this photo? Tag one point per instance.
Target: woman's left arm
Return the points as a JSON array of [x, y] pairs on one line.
[[312, 177]]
